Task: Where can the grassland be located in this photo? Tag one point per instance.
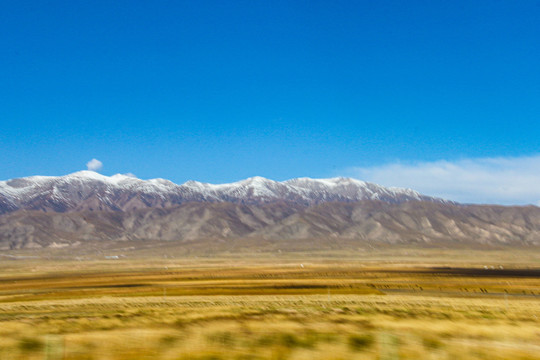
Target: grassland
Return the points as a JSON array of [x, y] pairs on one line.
[[428, 305]]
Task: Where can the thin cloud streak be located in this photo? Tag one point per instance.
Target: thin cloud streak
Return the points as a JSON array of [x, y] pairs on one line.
[[502, 180]]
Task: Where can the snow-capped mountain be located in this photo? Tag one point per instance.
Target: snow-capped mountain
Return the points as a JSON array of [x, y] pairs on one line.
[[88, 190], [86, 210]]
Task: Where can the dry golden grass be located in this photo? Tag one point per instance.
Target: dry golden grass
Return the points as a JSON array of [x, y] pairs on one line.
[[267, 309]]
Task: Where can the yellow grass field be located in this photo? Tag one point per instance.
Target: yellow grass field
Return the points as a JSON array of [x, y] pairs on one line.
[[428, 305]]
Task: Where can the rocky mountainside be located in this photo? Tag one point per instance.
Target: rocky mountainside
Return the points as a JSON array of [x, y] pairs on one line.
[[88, 190], [281, 225], [256, 214]]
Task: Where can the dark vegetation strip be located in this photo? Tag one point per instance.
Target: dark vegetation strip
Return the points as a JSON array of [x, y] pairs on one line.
[[464, 272], [529, 273]]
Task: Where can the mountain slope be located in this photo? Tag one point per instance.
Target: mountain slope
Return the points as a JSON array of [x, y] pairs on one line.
[[280, 225]]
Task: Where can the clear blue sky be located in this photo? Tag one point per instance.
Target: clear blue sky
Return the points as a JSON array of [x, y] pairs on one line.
[[218, 91]]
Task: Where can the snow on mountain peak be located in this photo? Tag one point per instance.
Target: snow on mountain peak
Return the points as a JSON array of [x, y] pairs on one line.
[[85, 174], [123, 191], [257, 179]]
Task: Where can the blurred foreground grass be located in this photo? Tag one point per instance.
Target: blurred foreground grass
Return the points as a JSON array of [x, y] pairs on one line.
[[277, 310]]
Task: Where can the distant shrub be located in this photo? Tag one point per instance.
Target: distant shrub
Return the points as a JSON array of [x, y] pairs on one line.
[[201, 357], [224, 338], [180, 323], [248, 357], [168, 339], [360, 342], [211, 357], [289, 340], [30, 344], [431, 342], [309, 339]]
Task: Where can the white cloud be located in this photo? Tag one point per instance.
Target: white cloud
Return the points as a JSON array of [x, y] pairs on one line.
[[502, 180], [94, 165]]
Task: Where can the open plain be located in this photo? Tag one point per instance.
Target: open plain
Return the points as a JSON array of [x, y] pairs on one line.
[[391, 304]]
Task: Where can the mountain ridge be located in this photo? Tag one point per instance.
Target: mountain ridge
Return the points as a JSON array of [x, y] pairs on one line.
[[86, 210], [285, 226], [88, 190]]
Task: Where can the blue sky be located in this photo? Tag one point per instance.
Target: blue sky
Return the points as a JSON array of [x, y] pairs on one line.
[[219, 91]]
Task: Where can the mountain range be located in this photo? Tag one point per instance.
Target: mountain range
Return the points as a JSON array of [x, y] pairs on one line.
[[256, 213], [88, 190]]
